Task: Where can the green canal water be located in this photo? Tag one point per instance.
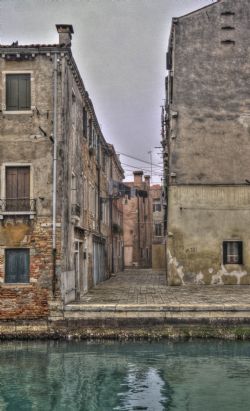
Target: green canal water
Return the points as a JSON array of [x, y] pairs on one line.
[[107, 376]]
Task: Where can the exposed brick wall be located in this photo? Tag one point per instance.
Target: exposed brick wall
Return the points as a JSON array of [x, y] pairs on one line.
[[28, 300]]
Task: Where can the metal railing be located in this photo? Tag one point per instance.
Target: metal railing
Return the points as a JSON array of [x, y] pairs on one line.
[[17, 205]]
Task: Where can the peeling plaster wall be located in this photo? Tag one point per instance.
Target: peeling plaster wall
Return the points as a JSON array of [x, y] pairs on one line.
[[200, 219]]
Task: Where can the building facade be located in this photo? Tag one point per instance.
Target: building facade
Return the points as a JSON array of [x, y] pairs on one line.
[[158, 237], [206, 146], [55, 170], [137, 223]]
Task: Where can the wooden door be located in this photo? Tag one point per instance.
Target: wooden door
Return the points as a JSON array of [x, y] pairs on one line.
[[17, 188]]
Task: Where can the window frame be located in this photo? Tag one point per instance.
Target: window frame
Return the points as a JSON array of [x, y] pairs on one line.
[[32, 91], [27, 250], [226, 255], [156, 226]]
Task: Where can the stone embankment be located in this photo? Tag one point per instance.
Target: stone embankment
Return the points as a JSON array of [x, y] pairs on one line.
[[139, 304]]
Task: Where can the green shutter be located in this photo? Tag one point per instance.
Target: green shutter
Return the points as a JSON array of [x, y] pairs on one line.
[[240, 249], [18, 94], [17, 265], [224, 252], [24, 92], [11, 92]]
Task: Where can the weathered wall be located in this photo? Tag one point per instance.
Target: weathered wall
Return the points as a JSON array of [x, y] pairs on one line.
[[200, 219], [158, 256], [24, 139], [29, 300], [137, 226], [209, 140], [208, 130]]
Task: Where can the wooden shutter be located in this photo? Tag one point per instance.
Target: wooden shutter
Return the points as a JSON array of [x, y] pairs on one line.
[[17, 266], [12, 92], [24, 92], [18, 94], [84, 120], [17, 188], [224, 252], [240, 251]]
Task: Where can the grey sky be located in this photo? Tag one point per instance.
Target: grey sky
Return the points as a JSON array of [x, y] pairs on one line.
[[119, 47]]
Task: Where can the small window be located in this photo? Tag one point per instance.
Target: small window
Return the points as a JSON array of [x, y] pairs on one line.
[[90, 133], [17, 265], [84, 121], [227, 13], [18, 95], [156, 206], [158, 230], [232, 252]]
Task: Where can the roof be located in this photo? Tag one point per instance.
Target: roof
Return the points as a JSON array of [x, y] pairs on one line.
[[15, 45], [201, 8]]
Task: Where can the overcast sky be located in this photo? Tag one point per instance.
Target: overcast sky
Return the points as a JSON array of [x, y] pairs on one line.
[[119, 47]]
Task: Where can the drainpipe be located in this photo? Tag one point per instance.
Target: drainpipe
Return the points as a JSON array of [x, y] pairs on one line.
[[54, 174]]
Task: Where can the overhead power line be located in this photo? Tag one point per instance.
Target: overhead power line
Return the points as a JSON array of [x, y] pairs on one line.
[[139, 159]]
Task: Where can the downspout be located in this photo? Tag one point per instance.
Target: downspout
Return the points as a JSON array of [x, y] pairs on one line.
[[54, 175]]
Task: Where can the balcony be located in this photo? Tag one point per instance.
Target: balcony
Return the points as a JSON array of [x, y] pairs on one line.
[[17, 206]]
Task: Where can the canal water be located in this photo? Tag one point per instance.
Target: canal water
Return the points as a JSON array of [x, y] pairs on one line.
[[107, 376]]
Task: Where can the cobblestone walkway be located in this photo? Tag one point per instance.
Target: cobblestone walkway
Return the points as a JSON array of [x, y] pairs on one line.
[[148, 287]]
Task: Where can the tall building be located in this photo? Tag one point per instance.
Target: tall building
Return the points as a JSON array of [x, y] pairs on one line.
[[158, 238], [206, 131], [137, 223], [55, 172]]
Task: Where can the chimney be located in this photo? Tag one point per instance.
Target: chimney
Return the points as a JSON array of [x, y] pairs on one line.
[[147, 180], [65, 33], [138, 177]]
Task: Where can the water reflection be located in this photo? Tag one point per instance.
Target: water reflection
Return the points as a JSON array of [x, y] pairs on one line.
[[125, 376]]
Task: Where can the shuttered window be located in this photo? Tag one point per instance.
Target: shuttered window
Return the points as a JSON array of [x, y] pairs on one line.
[[17, 265], [232, 252], [17, 188], [18, 92]]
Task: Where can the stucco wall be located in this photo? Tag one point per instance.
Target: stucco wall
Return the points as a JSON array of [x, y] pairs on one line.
[[209, 140], [200, 219]]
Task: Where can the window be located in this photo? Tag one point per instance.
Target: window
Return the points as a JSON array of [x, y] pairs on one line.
[[17, 188], [232, 252], [18, 95], [158, 230], [90, 133], [84, 121], [17, 265], [156, 206]]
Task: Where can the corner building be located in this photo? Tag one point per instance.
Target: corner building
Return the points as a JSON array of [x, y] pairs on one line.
[[207, 146], [54, 162]]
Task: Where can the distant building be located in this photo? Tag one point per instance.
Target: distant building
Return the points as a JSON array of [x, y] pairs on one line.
[[56, 167], [158, 237], [206, 146], [137, 223]]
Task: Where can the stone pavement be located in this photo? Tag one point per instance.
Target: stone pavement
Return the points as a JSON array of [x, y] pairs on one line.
[[149, 287], [146, 290]]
